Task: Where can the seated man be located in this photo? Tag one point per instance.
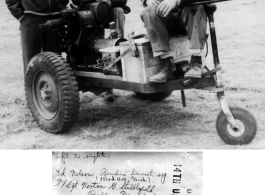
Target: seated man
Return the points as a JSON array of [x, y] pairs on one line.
[[161, 23]]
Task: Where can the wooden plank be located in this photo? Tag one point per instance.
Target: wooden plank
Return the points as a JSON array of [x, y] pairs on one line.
[[132, 66], [97, 75]]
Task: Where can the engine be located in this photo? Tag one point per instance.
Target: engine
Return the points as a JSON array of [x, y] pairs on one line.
[[81, 31]]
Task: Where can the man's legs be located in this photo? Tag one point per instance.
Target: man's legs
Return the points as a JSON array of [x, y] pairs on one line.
[[50, 41], [31, 38], [35, 40], [195, 20], [117, 15], [158, 29]]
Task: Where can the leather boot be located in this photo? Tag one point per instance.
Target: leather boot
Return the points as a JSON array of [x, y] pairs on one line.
[[165, 73], [109, 95], [195, 70]]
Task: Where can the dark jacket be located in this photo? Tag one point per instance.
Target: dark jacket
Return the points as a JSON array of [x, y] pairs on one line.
[[38, 7]]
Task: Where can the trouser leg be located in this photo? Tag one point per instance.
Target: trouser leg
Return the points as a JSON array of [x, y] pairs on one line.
[[160, 28], [31, 38], [157, 29], [117, 15], [51, 42], [195, 20], [35, 40]]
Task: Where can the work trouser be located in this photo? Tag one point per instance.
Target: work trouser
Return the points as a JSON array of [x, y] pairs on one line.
[[35, 40], [117, 16], [192, 19]]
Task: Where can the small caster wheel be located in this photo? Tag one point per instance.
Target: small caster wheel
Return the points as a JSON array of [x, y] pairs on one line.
[[247, 127]]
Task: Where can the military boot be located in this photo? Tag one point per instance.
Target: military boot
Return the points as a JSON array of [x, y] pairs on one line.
[[165, 73], [195, 70], [109, 95]]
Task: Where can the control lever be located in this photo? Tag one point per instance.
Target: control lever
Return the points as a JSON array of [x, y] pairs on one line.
[[132, 48]]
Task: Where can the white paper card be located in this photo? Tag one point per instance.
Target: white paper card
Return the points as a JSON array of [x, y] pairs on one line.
[[127, 173]]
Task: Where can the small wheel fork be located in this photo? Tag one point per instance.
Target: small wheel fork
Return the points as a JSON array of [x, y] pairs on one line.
[[229, 117], [210, 9]]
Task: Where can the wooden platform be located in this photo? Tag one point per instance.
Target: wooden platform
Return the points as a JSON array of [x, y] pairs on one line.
[[116, 82]]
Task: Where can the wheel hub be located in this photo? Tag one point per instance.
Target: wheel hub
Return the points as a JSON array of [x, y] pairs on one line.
[[237, 132], [45, 95]]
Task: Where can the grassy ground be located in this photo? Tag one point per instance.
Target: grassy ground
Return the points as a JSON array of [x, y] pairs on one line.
[[130, 123]]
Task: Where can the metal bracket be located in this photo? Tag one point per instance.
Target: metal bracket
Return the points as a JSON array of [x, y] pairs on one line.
[[135, 52], [119, 58], [132, 48], [227, 112], [183, 98], [189, 81]]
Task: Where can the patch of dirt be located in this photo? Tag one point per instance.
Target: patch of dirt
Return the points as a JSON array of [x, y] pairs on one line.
[[130, 123]]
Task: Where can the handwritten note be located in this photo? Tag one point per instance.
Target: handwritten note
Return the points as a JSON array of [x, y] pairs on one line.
[[127, 173]]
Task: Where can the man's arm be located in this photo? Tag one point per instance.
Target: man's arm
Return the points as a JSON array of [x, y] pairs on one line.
[[15, 8], [165, 7]]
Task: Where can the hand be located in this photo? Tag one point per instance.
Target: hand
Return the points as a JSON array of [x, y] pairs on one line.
[[126, 9], [166, 6]]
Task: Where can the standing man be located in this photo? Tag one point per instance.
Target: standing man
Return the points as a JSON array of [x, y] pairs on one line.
[[118, 11], [30, 14], [161, 23]]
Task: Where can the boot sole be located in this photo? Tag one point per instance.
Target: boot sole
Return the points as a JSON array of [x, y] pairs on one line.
[[150, 81], [192, 77]]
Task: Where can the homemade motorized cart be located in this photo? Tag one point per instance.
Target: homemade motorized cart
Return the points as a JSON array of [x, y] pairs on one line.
[[94, 63]]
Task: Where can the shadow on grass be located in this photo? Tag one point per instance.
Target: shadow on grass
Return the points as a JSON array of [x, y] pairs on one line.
[[131, 117]]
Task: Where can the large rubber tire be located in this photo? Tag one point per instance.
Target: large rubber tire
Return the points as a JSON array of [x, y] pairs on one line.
[[52, 93], [247, 127], [158, 96]]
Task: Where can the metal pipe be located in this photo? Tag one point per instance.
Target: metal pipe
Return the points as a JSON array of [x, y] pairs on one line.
[[183, 98], [105, 43], [214, 41], [219, 81]]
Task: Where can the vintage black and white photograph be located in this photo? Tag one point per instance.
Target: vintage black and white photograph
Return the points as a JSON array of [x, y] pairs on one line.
[[132, 97], [136, 74]]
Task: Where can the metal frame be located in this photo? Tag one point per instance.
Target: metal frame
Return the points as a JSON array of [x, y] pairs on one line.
[[116, 82], [219, 81], [200, 2], [209, 81]]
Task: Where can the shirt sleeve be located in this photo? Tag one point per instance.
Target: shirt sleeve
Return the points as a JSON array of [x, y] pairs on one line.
[[15, 8]]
